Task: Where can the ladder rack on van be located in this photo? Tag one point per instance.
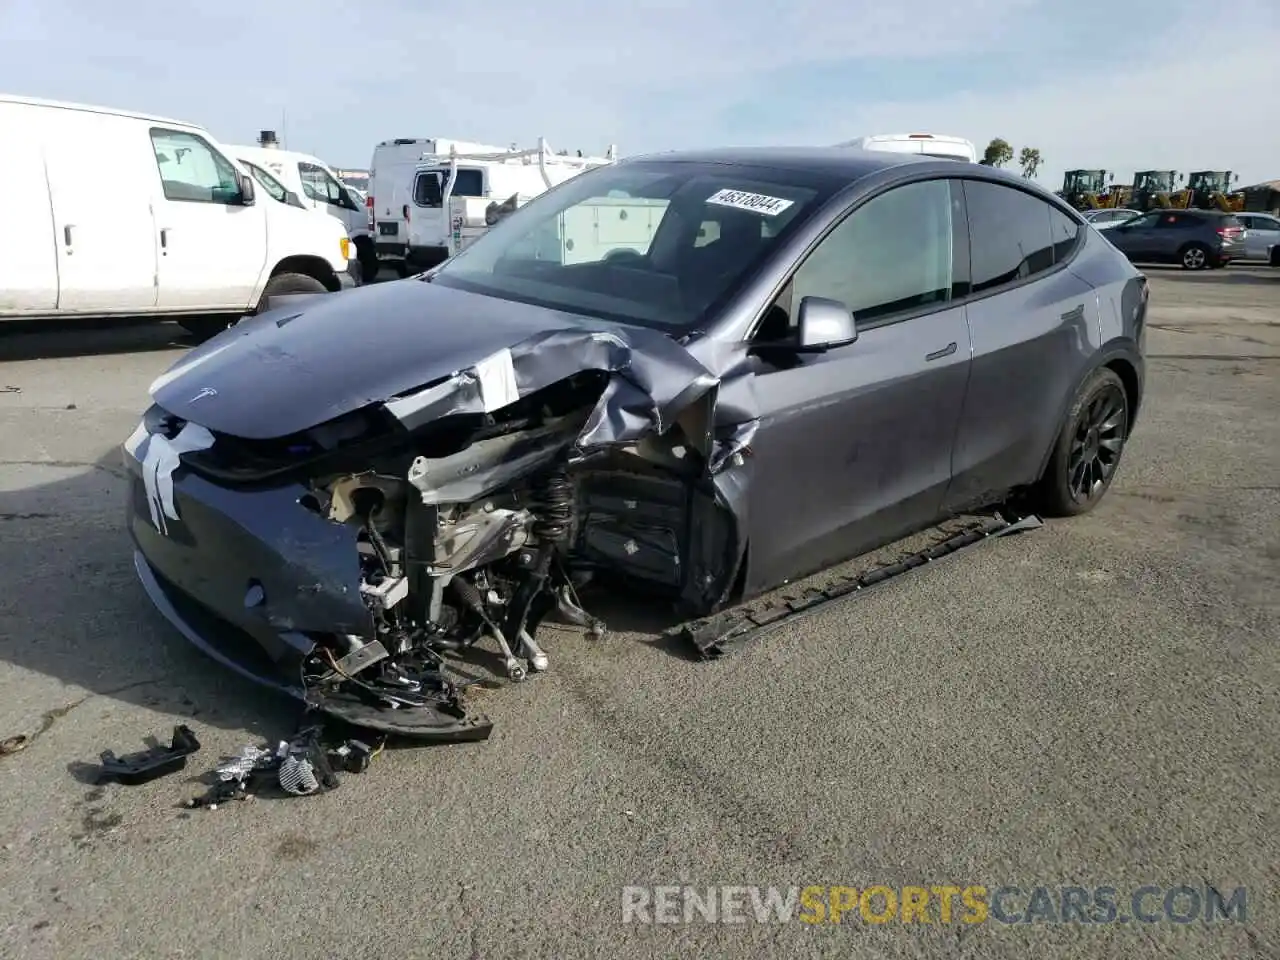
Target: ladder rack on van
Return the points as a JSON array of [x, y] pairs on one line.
[[541, 153]]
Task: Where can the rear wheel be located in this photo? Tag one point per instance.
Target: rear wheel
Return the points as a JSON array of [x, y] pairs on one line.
[[1088, 449], [286, 284], [1194, 256]]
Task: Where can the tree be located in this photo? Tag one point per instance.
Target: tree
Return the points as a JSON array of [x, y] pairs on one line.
[[997, 154], [1029, 161]]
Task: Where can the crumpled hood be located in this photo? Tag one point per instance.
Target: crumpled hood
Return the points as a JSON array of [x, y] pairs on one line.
[[321, 357]]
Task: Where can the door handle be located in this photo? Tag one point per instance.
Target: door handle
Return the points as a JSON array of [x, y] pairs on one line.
[[66, 234], [946, 351], [164, 238], [1074, 314]]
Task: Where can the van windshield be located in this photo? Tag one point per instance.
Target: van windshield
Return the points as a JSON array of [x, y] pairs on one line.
[[269, 183], [654, 243]]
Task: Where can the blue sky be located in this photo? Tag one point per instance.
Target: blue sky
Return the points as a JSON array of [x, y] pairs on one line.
[[665, 74]]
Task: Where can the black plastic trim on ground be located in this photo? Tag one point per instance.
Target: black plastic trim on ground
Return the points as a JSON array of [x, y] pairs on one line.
[[723, 633]]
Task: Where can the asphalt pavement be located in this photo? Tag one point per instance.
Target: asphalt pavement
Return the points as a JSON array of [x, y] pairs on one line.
[[1093, 703]]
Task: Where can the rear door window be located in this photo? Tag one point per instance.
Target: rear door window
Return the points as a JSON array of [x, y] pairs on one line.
[[1011, 236]]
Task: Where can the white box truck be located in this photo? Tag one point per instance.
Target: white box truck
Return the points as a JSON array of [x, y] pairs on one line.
[[390, 197]]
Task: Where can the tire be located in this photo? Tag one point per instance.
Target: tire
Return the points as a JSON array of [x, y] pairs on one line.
[[1088, 450], [202, 328], [367, 257], [285, 284], [1194, 256]]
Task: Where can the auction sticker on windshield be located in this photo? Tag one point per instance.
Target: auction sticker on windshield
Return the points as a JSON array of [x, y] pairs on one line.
[[755, 202]]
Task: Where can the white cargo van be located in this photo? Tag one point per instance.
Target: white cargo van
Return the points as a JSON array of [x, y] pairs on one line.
[[390, 197], [132, 215], [312, 181], [458, 196], [926, 144]]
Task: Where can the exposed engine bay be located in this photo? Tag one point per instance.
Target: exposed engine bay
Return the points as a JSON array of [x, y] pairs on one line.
[[483, 528]]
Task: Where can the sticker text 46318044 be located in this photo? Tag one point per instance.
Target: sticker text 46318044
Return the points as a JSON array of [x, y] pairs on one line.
[[754, 202]]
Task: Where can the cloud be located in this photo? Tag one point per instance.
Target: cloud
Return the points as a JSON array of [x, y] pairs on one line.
[[1090, 83]]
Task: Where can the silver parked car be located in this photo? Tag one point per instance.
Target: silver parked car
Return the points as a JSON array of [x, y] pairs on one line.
[[1262, 232]]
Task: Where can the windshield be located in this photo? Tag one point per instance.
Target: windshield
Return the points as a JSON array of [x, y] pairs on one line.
[[355, 181], [269, 183], [654, 243]]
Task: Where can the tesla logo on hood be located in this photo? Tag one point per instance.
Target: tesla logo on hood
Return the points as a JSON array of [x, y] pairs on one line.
[[206, 392]]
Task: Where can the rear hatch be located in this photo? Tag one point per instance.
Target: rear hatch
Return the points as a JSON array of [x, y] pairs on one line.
[[1232, 232]]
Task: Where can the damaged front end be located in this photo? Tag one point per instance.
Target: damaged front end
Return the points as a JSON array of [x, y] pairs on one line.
[[372, 559]]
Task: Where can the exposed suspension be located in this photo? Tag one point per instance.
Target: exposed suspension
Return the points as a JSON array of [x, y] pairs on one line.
[[553, 507]]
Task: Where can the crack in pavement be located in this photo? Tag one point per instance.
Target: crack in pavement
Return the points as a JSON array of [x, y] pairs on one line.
[[20, 742]]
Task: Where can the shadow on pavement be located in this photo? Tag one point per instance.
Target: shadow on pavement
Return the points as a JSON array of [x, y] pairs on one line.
[[51, 340], [75, 612]]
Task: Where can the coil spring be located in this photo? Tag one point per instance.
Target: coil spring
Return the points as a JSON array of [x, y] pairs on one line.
[[553, 507]]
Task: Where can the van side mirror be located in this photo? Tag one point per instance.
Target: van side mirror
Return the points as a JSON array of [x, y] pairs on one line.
[[822, 324], [246, 190]]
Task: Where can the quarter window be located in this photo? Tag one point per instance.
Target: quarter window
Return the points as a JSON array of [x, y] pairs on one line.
[[890, 256], [1010, 234], [192, 170]]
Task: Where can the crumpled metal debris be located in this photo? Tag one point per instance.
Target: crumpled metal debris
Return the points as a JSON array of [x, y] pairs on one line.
[[303, 765]]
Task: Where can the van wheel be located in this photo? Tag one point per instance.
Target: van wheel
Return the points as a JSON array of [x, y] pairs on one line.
[[286, 284], [369, 265]]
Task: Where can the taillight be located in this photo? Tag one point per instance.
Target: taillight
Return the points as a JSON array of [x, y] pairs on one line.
[[368, 202], [1230, 233]]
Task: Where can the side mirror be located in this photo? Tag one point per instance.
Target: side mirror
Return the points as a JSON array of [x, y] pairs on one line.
[[246, 190], [822, 324]]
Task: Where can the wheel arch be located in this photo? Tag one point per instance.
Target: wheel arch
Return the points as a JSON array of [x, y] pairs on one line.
[[1121, 358], [311, 266]]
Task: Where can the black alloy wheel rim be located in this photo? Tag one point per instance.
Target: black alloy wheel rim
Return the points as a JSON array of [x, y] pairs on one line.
[[1096, 444]]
